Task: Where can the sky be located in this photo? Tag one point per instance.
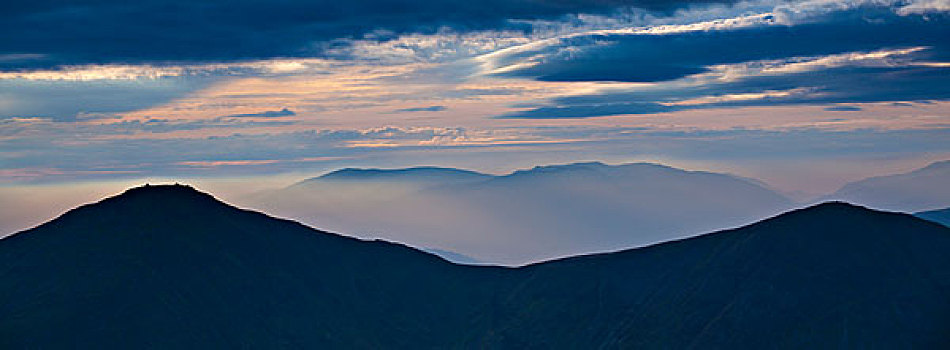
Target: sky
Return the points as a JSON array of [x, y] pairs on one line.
[[804, 95]]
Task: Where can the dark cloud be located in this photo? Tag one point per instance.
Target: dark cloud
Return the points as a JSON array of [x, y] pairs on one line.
[[266, 114], [836, 85], [843, 109], [664, 57], [47, 33], [670, 60], [589, 110], [421, 109]]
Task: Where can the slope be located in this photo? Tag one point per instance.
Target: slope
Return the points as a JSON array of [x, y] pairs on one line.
[[167, 266]]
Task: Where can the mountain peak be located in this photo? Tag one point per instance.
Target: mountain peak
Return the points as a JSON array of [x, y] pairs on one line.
[[161, 189], [155, 202], [829, 209], [836, 205], [162, 192]]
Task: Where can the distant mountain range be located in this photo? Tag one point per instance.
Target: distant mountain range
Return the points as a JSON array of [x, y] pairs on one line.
[[528, 215], [923, 189], [417, 174], [171, 267]]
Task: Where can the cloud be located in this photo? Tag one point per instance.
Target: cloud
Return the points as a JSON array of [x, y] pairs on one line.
[[843, 109], [76, 157], [284, 112], [161, 126], [63, 32], [98, 72], [657, 54], [421, 109], [66, 100], [855, 77], [91, 126], [925, 6], [590, 110], [813, 52], [224, 67]]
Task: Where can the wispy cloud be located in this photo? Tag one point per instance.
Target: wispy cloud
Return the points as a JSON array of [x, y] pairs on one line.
[[284, 112], [421, 109]]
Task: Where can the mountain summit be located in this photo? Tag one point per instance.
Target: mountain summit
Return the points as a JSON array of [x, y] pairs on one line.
[[171, 267]]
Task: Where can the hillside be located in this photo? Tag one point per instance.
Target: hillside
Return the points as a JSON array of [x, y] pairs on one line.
[[171, 267]]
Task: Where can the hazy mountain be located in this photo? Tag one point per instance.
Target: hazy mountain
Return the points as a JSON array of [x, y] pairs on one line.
[[170, 267], [432, 175], [348, 191], [922, 189], [529, 215], [362, 185], [455, 257], [941, 216]]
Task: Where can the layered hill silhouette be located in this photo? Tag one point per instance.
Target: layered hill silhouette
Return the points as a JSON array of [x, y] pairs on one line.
[[171, 267], [919, 190], [529, 215]]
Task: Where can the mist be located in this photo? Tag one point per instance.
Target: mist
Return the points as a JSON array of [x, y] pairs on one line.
[[527, 216]]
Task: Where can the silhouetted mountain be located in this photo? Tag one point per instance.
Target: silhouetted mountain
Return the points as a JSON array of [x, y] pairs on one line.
[[919, 190], [940, 216], [530, 215], [170, 267]]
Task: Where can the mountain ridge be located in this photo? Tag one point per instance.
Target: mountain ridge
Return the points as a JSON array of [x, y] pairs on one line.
[[363, 173], [174, 267], [544, 212], [916, 190]]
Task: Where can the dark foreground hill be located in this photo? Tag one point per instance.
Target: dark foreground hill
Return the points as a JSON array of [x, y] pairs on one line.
[[170, 267]]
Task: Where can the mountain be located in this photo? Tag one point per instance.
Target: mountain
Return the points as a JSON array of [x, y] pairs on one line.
[[171, 267], [432, 175], [530, 215], [919, 190], [362, 186], [940, 216], [832, 275], [455, 257]]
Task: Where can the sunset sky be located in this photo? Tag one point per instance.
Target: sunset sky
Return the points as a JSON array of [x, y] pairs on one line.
[[804, 95]]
